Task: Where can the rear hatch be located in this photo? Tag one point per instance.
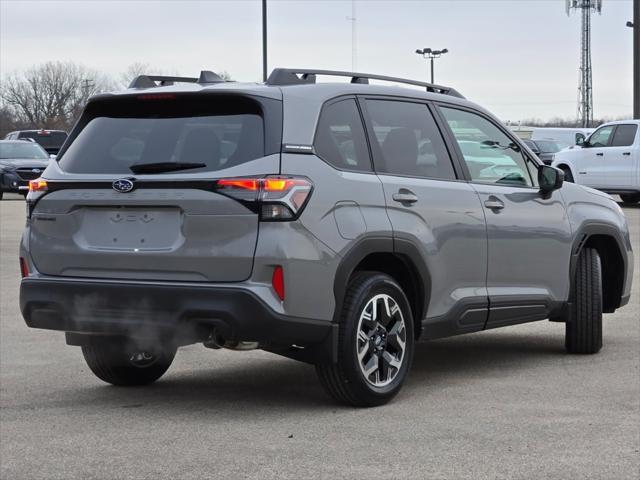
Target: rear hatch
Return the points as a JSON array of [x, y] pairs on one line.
[[134, 195], [50, 140]]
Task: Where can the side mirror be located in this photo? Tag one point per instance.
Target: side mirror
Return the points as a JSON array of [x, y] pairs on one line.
[[550, 178]]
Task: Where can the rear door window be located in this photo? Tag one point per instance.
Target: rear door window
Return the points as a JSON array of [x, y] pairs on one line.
[[340, 138], [407, 141], [624, 135], [219, 133]]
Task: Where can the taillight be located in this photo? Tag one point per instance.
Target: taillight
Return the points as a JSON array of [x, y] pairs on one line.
[[277, 281], [37, 185], [24, 268], [275, 198]]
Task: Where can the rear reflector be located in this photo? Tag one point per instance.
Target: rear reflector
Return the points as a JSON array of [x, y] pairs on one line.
[[275, 211], [24, 268], [277, 281], [37, 185]]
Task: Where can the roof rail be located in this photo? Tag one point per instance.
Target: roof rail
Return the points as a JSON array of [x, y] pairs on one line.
[[295, 76], [149, 81]]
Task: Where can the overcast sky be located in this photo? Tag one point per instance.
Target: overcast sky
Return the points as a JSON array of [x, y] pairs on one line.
[[518, 58]]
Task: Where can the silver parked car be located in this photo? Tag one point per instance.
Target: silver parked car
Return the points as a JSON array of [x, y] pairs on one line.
[[333, 223]]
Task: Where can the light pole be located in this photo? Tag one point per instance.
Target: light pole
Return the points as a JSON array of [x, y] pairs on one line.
[[636, 58], [431, 54], [264, 40]]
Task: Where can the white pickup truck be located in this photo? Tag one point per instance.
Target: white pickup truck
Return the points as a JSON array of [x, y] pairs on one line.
[[609, 160]]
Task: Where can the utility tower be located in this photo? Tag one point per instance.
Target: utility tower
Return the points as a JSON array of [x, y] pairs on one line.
[[354, 38], [585, 95]]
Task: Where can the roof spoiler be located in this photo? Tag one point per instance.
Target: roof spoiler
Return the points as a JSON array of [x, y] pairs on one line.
[[294, 76], [151, 81]]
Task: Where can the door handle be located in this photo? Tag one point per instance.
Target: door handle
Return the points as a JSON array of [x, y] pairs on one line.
[[494, 203], [626, 153], [600, 154], [405, 196]]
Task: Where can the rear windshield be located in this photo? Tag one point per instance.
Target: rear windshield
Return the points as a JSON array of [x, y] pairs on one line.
[[546, 146], [46, 139], [17, 150], [217, 132]]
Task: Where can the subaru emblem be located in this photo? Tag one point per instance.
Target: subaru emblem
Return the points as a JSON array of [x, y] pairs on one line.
[[36, 170], [122, 185]]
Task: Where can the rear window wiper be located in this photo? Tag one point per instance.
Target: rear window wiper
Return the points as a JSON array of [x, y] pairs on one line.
[[160, 167]]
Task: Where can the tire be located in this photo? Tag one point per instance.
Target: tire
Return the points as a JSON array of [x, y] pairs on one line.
[[376, 348], [568, 177], [583, 330], [630, 198], [114, 362]]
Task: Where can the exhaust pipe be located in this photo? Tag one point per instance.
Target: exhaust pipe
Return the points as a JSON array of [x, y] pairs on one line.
[[217, 341], [241, 346]]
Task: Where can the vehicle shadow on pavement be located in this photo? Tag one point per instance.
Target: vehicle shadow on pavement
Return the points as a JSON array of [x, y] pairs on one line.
[[629, 205], [481, 354], [262, 382]]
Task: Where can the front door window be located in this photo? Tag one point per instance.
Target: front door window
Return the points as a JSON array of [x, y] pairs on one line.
[[600, 137]]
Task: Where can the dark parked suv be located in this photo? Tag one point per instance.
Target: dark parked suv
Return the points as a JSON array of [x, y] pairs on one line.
[[20, 162], [333, 223], [544, 149], [50, 140]]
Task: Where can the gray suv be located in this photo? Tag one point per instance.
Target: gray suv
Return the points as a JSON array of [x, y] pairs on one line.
[[332, 223]]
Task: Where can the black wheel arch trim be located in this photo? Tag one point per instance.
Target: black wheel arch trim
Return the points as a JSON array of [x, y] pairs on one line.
[[582, 236], [406, 250]]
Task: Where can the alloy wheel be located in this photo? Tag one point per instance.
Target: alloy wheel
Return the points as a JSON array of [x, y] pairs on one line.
[[381, 340]]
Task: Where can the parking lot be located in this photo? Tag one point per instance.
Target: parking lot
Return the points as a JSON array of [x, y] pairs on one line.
[[507, 403]]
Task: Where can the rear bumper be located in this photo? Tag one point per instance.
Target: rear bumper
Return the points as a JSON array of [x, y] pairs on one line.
[[163, 310]]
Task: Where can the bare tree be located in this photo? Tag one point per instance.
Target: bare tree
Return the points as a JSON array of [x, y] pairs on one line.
[[51, 95], [141, 68], [132, 71], [7, 121]]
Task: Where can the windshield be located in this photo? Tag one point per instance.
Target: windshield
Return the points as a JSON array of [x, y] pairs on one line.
[[546, 146], [215, 135], [20, 150]]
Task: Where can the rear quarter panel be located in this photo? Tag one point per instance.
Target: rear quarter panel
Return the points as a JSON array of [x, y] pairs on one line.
[[344, 208]]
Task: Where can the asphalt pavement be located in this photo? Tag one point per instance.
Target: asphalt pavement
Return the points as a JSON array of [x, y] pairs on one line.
[[506, 403]]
